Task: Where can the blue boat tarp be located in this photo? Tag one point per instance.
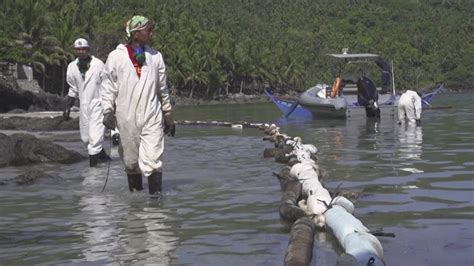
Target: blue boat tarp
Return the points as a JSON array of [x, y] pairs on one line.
[[286, 106]]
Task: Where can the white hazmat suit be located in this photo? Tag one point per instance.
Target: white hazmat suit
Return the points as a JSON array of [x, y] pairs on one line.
[[409, 106], [87, 90], [139, 104]]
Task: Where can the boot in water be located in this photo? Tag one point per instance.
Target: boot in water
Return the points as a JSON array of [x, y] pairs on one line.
[[103, 156], [135, 182], [154, 183], [93, 160]]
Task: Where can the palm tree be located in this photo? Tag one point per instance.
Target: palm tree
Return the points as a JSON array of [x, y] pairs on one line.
[[31, 21], [65, 32]]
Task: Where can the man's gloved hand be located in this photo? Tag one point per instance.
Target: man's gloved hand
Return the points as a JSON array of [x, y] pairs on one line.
[[66, 113], [70, 104], [418, 122], [170, 127], [109, 120]]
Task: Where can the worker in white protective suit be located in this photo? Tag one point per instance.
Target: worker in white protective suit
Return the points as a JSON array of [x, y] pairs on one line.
[[409, 107], [134, 81], [83, 77]]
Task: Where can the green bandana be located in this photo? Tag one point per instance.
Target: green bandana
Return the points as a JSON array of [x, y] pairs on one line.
[[136, 23]]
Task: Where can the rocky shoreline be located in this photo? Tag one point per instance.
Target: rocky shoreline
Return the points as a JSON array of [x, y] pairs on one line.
[[22, 149], [14, 99], [237, 98], [34, 112], [38, 123]]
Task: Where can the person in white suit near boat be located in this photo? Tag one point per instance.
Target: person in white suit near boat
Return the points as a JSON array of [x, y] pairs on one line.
[[409, 107], [83, 77], [135, 97]]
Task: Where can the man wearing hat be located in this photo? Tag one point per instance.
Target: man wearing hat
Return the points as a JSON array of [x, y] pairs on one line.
[[83, 77], [135, 97]]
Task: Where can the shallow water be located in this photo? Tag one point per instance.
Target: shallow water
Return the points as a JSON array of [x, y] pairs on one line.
[[220, 202]]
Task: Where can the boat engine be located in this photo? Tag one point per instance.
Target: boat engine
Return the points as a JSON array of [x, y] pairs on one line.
[[368, 96]]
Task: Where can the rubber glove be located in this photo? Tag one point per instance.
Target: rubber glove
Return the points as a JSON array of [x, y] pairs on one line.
[[109, 120], [170, 127], [70, 104]]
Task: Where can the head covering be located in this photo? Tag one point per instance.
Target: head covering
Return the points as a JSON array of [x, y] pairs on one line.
[[81, 43], [136, 23]]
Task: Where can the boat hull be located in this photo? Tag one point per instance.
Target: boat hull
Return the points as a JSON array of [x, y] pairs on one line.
[[343, 107], [326, 110], [388, 105], [329, 112]]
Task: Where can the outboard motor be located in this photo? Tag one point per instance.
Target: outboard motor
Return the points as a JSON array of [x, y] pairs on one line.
[[368, 96]]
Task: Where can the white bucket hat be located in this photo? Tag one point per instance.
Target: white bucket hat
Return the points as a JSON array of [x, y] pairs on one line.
[[81, 43]]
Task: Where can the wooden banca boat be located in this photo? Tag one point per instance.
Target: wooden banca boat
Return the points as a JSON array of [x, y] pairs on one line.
[[352, 94]]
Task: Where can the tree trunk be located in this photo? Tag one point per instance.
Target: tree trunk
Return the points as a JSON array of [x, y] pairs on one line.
[[53, 79], [44, 81], [192, 90], [63, 72]]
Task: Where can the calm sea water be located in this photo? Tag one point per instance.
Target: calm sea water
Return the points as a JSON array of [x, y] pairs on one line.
[[220, 202]]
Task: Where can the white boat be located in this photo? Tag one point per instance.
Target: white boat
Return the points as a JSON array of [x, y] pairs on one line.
[[290, 106], [353, 92]]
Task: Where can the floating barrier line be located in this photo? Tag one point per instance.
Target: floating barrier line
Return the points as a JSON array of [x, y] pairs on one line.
[[306, 205], [220, 123]]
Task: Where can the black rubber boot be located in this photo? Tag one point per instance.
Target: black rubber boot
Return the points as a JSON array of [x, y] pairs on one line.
[[103, 156], [154, 183], [372, 112], [93, 160], [135, 182]]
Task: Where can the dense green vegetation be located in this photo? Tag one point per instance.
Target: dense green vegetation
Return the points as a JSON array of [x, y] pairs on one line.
[[218, 46]]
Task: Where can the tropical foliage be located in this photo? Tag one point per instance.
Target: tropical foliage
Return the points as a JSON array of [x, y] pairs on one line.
[[215, 47]]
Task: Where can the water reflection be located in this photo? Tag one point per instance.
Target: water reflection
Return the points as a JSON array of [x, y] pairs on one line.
[[98, 229], [364, 138], [97, 221], [410, 138], [148, 236], [372, 125], [118, 226], [222, 200]]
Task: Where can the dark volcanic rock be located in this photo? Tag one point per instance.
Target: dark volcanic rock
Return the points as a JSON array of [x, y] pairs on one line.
[[29, 178], [12, 97], [17, 111], [22, 149], [7, 148], [38, 124]]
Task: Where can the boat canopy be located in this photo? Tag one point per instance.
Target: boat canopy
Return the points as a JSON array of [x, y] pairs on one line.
[[349, 56]]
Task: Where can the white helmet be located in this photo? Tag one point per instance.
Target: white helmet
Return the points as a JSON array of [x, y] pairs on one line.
[[81, 43]]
